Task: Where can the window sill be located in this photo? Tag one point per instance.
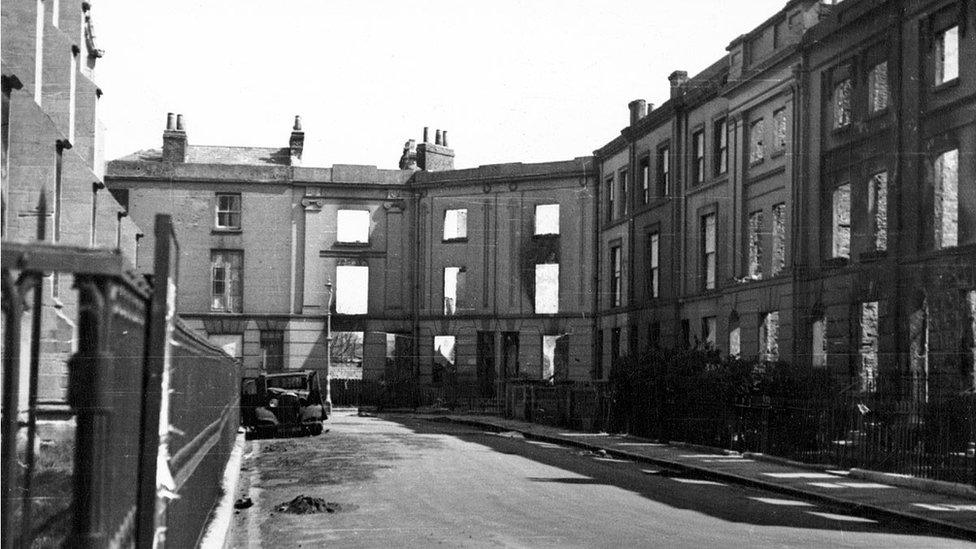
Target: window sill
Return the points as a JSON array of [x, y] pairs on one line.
[[224, 312], [545, 236], [778, 153], [875, 255], [842, 130], [351, 244], [222, 230], [874, 115], [835, 262], [947, 85], [754, 163], [454, 240]]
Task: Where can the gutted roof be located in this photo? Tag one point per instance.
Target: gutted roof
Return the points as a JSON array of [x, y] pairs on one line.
[[212, 154]]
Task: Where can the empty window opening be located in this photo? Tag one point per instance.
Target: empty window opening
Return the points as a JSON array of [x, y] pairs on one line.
[[645, 175], [735, 337], [555, 354], [346, 353], [708, 327], [455, 224], [754, 268], [352, 226], [454, 289], [721, 147], [653, 255], [769, 336], [597, 371], [968, 344], [616, 299], [841, 222], [611, 199], [510, 354], [756, 132], [878, 87], [869, 347], [272, 350], [780, 121], [698, 151], [947, 55], [819, 344], [547, 219], [686, 342], [615, 343], [664, 171], [444, 357], [654, 335], [842, 103], [946, 187], [226, 280], [918, 334], [778, 262], [708, 251], [228, 212], [547, 288], [632, 339], [878, 210], [352, 289], [624, 192]]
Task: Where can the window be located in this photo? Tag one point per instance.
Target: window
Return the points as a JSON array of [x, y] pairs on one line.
[[841, 222], [869, 347], [654, 335], [454, 284], [226, 280], [780, 123], [878, 87], [547, 219], [769, 336], [352, 289], [614, 345], [698, 152], [653, 258], [756, 131], [968, 343], [735, 336], [685, 342], [624, 191], [615, 294], [611, 199], [632, 339], [708, 239], [918, 335], [550, 356], [708, 327], [819, 344], [547, 288], [346, 348], [597, 372], [664, 171], [645, 175], [947, 56], [455, 224], [721, 147], [946, 187], [444, 357], [755, 270], [878, 210], [779, 240], [272, 350], [842, 104], [352, 226], [228, 211]]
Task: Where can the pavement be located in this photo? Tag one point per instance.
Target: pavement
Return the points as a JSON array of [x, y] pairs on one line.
[[422, 481], [952, 514]]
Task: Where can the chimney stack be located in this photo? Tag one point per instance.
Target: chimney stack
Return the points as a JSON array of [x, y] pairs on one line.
[[296, 143], [426, 132], [444, 138], [437, 137], [638, 110], [677, 79], [408, 160], [174, 139], [436, 156]]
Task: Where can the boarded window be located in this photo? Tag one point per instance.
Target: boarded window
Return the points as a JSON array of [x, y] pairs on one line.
[[708, 251], [547, 219], [878, 87], [228, 211], [616, 299], [841, 222], [842, 103], [455, 224], [878, 210], [819, 344], [555, 356], [664, 171], [721, 147], [869, 347], [708, 332], [352, 226], [947, 56], [778, 262], [698, 148], [645, 175], [756, 133], [769, 336], [352, 289], [454, 286], [653, 257], [547, 288], [346, 349], [780, 122], [227, 280], [735, 337], [918, 335], [755, 270], [946, 188]]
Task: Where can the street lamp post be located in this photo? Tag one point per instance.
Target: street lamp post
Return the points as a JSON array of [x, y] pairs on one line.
[[328, 348]]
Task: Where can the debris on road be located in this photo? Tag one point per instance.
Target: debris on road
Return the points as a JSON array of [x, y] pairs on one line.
[[243, 503], [306, 505]]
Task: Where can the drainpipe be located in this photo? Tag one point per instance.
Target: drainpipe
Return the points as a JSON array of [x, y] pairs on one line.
[[597, 194]]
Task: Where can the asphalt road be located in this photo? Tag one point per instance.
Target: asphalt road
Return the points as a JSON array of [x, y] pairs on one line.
[[413, 482]]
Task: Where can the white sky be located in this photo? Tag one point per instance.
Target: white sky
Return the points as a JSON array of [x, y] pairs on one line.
[[510, 80]]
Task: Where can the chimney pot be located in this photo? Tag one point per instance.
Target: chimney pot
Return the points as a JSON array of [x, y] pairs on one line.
[[179, 123], [638, 110], [437, 137], [298, 123], [444, 138], [426, 132], [170, 121]]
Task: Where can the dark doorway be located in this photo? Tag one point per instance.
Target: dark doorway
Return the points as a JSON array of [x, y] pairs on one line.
[[486, 364], [510, 353], [273, 348]]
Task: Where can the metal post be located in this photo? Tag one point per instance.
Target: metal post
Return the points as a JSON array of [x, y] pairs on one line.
[[13, 308], [328, 348]]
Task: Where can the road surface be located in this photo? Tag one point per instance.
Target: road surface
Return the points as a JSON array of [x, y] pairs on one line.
[[414, 482]]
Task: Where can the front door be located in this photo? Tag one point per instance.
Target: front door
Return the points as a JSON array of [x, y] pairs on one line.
[[486, 364], [510, 352]]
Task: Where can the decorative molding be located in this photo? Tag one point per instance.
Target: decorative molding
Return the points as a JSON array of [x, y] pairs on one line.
[[313, 204]]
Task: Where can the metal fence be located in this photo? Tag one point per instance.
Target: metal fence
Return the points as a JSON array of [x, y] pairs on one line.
[[142, 391], [461, 397]]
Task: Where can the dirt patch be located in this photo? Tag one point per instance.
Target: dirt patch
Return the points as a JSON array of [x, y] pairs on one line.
[[279, 447], [307, 505]]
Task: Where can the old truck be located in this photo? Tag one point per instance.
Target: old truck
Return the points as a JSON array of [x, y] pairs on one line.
[[282, 404]]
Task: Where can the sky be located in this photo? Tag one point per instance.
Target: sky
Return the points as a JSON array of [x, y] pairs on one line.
[[510, 80]]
